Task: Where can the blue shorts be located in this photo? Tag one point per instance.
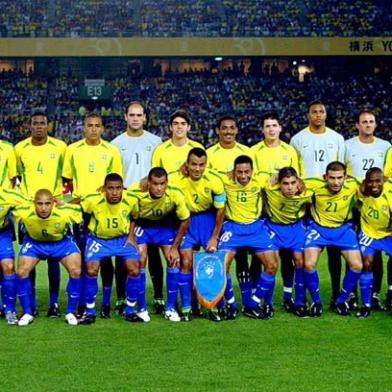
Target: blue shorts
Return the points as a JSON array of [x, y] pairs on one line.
[[199, 231], [343, 236], [155, 233], [99, 248], [54, 249], [289, 236], [369, 246], [238, 235], [6, 246]]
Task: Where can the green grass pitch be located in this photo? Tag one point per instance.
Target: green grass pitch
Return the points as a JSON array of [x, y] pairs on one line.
[[282, 354]]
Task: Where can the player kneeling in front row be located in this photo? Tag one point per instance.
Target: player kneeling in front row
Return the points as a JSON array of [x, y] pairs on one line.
[[205, 196], [376, 231], [163, 218], [109, 225], [331, 211], [285, 208], [47, 235], [244, 228]]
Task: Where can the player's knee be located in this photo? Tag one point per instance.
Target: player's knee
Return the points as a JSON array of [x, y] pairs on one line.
[[23, 272], [7, 267], [186, 265], [271, 268], [309, 265], [133, 269], [75, 271]]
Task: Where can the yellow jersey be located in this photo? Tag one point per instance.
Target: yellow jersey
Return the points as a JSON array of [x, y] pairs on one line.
[[376, 213], [171, 157], [285, 210], [109, 220], [332, 209], [7, 164], [244, 203], [50, 229], [222, 159], [271, 159], [8, 200], [40, 166], [172, 202], [87, 166], [202, 194]]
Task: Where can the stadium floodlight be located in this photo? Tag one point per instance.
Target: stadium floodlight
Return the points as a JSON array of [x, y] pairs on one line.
[[218, 58]]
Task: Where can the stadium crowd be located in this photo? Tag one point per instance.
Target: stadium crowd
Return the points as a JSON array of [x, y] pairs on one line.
[[152, 18], [204, 95]]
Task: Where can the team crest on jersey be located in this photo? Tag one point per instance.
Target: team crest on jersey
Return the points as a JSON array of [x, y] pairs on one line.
[[52, 155], [285, 157], [57, 225], [148, 148], [254, 189], [330, 145], [1, 208], [167, 205], [384, 207], [104, 157], [124, 213], [345, 198], [206, 190]]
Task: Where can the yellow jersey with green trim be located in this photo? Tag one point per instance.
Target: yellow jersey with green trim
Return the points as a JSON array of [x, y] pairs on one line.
[[50, 229], [170, 156], [171, 202], [109, 220], [376, 213], [222, 159], [202, 194], [244, 203], [8, 200], [7, 165], [271, 159], [332, 209], [87, 166], [285, 210], [40, 166]]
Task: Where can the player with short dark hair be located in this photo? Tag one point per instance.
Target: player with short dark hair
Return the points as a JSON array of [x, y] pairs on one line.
[[271, 154], [285, 208], [136, 147], [86, 164], [317, 145], [331, 211], [362, 153], [243, 227], [47, 235], [110, 214], [205, 196], [40, 160], [221, 158], [163, 220], [376, 233], [172, 153]]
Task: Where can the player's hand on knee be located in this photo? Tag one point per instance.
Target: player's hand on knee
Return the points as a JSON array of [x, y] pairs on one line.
[[212, 245]]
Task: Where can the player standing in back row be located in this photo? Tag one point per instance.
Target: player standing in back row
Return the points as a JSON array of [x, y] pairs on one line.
[[136, 147], [317, 146]]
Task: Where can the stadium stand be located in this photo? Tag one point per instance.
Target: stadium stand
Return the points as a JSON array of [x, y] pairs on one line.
[[216, 18], [204, 95]]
